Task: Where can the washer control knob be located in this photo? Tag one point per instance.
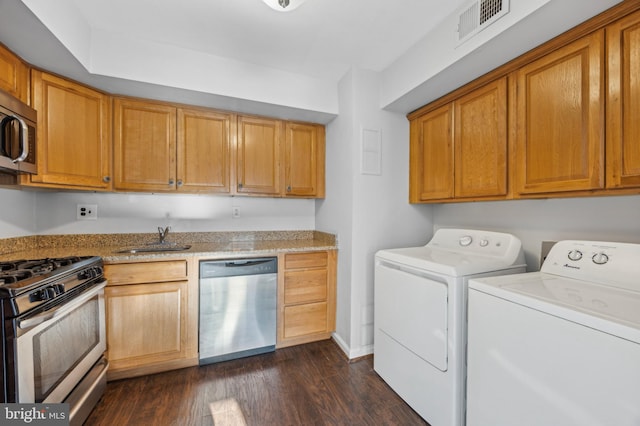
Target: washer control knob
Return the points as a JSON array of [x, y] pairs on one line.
[[600, 258], [575, 255], [484, 243], [465, 240]]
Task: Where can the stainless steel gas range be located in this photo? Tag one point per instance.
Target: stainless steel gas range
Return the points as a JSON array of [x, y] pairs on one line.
[[53, 318]]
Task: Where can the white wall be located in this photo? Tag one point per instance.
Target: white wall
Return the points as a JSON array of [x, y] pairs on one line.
[[17, 213], [534, 221], [124, 213], [368, 212]]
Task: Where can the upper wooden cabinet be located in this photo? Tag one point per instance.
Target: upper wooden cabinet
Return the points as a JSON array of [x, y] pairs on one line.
[[204, 150], [431, 153], [280, 158], [74, 135], [259, 154], [144, 145], [158, 147], [14, 75], [560, 120], [304, 160], [460, 149], [623, 103]]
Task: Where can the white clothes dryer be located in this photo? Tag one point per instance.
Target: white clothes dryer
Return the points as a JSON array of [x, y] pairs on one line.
[[560, 346], [420, 298]]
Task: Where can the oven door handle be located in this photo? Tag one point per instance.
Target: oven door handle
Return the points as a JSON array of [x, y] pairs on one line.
[[28, 323]]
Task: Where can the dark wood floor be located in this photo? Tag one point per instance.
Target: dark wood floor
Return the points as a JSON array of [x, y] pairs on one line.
[[311, 384]]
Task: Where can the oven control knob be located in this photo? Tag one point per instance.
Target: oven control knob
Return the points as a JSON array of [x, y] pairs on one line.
[[575, 255], [465, 241], [484, 243], [600, 258]]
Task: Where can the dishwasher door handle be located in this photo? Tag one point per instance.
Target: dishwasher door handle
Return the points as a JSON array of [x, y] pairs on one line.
[[242, 263]]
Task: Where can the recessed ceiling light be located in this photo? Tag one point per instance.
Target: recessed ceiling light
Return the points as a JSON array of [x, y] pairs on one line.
[[284, 5]]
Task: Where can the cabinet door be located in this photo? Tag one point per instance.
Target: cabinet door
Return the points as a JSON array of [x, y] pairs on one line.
[[431, 156], [144, 146], [258, 156], [304, 160], [560, 110], [74, 134], [204, 151], [623, 103], [14, 75], [146, 323], [480, 141]]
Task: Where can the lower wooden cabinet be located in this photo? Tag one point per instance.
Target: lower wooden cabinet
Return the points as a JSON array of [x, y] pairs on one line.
[[152, 317], [306, 297]]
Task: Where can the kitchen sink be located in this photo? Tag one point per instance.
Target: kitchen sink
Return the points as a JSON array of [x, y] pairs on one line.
[[156, 248]]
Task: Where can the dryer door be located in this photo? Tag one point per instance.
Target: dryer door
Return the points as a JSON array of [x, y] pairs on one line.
[[412, 310]]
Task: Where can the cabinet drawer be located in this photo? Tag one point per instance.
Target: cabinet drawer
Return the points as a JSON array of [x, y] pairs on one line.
[[301, 320], [146, 272], [305, 260], [305, 286]]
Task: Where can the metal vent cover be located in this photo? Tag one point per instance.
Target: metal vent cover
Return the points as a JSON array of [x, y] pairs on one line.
[[478, 15]]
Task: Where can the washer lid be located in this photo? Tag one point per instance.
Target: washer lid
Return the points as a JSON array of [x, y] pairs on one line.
[[613, 310], [445, 262]]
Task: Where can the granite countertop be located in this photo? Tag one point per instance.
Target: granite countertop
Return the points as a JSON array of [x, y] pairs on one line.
[[207, 244]]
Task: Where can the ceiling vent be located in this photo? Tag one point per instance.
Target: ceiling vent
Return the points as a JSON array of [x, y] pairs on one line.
[[478, 15]]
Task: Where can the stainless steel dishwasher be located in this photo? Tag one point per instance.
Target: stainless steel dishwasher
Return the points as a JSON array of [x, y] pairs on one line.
[[237, 308]]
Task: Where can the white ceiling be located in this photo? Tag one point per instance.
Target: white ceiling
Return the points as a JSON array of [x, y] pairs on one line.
[[240, 55], [321, 38]]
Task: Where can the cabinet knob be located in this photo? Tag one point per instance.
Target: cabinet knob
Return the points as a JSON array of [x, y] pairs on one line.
[[171, 181], [240, 185], [179, 182], [289, 188], [106, 179]]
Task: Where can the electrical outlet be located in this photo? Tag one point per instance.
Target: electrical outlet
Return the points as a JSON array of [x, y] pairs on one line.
[[87, 211], [235, 212]]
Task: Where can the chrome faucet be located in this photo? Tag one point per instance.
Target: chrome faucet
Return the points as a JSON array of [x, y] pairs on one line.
[[162, 234]]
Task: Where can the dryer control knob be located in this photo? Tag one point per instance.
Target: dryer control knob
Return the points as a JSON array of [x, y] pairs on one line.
[[465, 241], [600, 258], [575, 255]]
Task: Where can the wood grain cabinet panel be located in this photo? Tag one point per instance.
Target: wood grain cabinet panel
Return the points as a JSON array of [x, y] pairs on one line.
[[304, 160], [147, 323], [152, 316], [431, 156], [623, 103], [259, 156], [306, 297], [480, 141], [144, 146], [74, 134], [459, 150], [305, 320], [560, 120], [204, 150], [14, 75]]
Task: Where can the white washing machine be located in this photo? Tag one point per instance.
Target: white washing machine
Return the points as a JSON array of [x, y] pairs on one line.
[[420, 315], [560, 346]]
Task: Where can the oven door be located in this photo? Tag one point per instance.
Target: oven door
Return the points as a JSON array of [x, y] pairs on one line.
[[56, 348]]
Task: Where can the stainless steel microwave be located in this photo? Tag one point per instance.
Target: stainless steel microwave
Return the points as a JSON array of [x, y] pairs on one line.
[[17, 135]]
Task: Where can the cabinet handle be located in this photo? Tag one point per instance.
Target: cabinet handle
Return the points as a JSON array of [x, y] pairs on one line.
[[240, 185], [289, 188], [171, 181], [179, 182], [106, 179]]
